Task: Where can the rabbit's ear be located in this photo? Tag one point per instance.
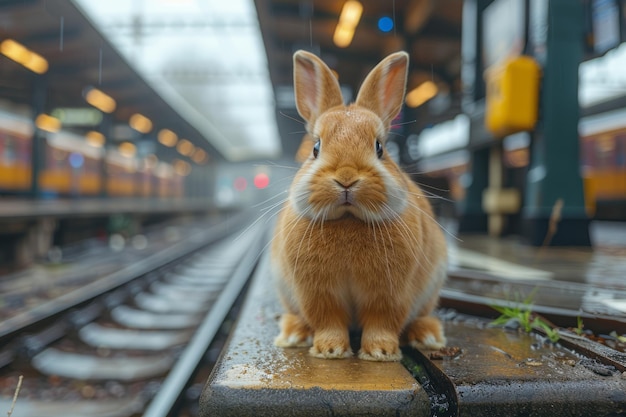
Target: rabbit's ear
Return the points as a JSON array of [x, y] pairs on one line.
[[316, 88], [383, 90]]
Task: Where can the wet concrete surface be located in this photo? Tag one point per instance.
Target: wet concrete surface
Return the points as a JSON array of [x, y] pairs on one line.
[[511, 373], [496, 372], [582, 281], [256, 378]]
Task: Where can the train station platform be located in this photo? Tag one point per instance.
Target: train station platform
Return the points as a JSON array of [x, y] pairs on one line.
[[558, 281], [485, 371]]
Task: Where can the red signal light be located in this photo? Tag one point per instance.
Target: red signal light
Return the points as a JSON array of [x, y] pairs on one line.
[[261, 180]]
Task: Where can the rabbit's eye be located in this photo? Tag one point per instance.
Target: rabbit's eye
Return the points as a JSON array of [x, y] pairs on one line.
[[379, 149], [316, 149]]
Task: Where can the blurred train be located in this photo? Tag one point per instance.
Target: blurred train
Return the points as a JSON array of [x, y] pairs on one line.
[[70, 166], [603, 163], [602, 160]]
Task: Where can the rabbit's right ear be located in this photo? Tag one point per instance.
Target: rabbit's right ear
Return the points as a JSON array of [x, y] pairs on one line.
[[316, 88]]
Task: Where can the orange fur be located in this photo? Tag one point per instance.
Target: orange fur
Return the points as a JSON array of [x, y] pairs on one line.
[[357, 243]]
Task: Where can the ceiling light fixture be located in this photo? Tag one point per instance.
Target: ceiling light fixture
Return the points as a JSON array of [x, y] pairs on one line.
[[421, 94], [348, 21], [95, 139], [48, 123], [127, 149], [140, 123], [167, 138], [185, 147], [22, 55], [100, 100]]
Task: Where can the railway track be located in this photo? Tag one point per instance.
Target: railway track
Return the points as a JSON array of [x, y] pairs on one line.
[[133, 343], [143, 339]]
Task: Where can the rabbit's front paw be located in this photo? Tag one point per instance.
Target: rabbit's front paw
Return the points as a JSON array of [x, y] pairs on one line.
[[379, 347], [426, 333], [294, 332], [331, 345]]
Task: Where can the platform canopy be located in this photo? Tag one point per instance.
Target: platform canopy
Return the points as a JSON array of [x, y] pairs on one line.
[[219, 73]]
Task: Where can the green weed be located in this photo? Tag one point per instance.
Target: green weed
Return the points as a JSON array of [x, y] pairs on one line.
[[523, 314]]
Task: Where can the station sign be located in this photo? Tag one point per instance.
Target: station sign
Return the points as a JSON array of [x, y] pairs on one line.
[[77, 116]]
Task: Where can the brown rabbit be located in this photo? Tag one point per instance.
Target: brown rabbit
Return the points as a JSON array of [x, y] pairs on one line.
[[356, 243]]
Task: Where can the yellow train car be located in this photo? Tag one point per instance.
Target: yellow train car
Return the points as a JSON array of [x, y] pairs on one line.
[[71, 166], [15, 152], [603, 163], [122, 176]]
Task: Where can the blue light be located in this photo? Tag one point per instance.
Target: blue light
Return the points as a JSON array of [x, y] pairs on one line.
[[76, 160], [385, 24]]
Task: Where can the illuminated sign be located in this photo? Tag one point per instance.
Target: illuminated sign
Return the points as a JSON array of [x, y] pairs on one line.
[[79, 116]]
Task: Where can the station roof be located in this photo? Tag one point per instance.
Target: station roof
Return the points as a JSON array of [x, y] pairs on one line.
[[199, 68], [429, 30]]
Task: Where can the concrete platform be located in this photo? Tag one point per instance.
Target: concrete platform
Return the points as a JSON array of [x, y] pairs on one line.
[[254, 377], [512, 373], [567, 281], [497, 372]]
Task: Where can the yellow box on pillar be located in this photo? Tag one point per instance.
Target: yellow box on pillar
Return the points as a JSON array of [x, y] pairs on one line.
[[512, 96]]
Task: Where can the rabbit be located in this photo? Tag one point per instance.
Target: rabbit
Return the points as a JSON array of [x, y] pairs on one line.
[[356, 243]]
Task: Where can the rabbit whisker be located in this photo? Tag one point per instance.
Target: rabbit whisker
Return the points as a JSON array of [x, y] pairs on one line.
[[292, 118], [275, 165], [410, 237], [404, 123], [435, 220], [270, 199], [431, 195]]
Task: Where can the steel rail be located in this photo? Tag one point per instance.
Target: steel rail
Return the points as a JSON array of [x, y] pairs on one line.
[[175, 382]]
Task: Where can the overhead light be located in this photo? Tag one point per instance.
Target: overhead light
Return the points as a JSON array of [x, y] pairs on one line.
[[22, 55], [100, 100], [95, 139], [421, 94], [167, 138], [185, 147], [48, 123], [348, 21], [127, 149], [199, 156], [140, 123]]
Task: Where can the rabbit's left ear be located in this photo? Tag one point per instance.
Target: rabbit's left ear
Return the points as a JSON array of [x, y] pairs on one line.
[[383, 89], [316, 88]]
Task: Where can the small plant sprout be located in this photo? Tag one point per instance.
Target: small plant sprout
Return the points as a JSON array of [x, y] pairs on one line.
[[522, 314], [579, 326]]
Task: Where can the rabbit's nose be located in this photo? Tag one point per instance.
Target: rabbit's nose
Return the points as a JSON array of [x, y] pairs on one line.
[[346, 184], [346, 177]]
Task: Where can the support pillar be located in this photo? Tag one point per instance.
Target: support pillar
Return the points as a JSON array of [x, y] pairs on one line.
[[554, 211], [40, 93], [473, 218], [106, 130]]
